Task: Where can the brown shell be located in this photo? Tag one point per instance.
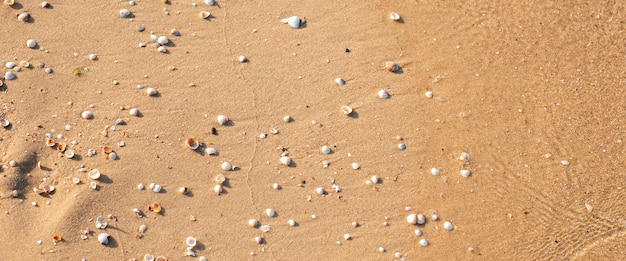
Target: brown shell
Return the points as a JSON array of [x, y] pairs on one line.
[[57, 238], [107, 149], [61, 147]]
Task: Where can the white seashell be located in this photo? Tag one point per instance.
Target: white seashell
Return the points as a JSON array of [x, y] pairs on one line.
[[209, 2], [205, 14], [9, 75], [564, 162], [94, 174], [340, 81], [190, 253], [103, 238], [465, 173], [93, 185], [394, 16], [401, 146], [133, 112], [10, 65], [392, 66], [259, 240], [253, 222], [287, 119], [143, 228], [76, 180], [464, 156], [30, 43], [38, 190], [203, 258], [3, 122], [45, 4], [101, 222], [93, 57], [270, 212], [141, 186], [320, 191], [88, 115], [434, 171], [381, 249], [262, 135], [421, 219], [418, 232], [151, 92], [162, 49], [383, 94], [222, 120], [356, 166], [174, 32], [191, 241], [375, 179], [211, 151], [435, 217], [243, 59], [265, 228], [227, 166], [276, 186], [428, 94], [124, 13], [69, 154], [24, 17], [447, 225], [423, 242], [220, 178], [292, 223], [153, 38], [218, 189], [347, 236], [326, 150], [293, 21], [148, 257], [112, 155], [346, 110], [183, 190], [285, 160], [157, 188], [162, 40], [412, 219], [9, 2]]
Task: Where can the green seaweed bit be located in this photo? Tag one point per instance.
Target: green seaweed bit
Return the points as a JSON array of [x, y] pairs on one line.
[[79, 71]]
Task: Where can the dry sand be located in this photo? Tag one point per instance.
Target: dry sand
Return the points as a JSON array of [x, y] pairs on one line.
[[519, 86]]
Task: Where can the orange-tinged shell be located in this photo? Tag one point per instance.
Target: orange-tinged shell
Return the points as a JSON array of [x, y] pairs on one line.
[[57, 238], [192, 143], [50, 142], [61, 147], [155, 208], [392, 66], [107, 149]]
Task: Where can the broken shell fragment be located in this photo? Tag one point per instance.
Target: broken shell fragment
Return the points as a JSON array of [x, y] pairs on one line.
[[259, 240], [38, 190], [205, 14], [155, 208], [3, 122], [103, 238], [192, 143], [107, 149], [93, 185], [392, 66], [394, 16], [346, 110], [94, 174], [48, 189]]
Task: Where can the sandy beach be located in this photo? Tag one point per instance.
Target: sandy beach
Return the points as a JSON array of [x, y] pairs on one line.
[[503, 128]]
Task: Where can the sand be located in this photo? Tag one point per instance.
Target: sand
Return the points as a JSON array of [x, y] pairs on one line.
[[518, 86]]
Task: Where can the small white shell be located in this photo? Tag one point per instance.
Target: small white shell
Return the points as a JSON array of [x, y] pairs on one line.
[[220, 178], [253, 222], [3, 122], [209, 2], [375, 179], [320, 191], [394, 16], [124, 13], [356, 165], [192, 143], [412, 219], [285, 160], [45, 4], [326, 150], [347, 236], [94, 174], [392, 66], [270, 212], [465, 173], [418, 232], [23, 17], [157, 188], [421, 219], [112, 155], [243, 59], [265, 228], [401, 146], [346, 110], [30, 43], [276, 186], [103, 238], [292, 223], [101, 222], [211, 151], [93, 185], [191, 241], [163, 40], [141, 186], [93, 57], [183, 190], [259, 240], [434, 171], [423, 242], [75, 180], [162, 49], [69, 154], [9, 75], [227, 166], [143, 228], [148, 257], [38, 190], [133, 112], [447, 225], [340, 81], [287, 119], [151, 92], [383, 94], [464, 156], [293, 21], [10, 65], [428, 94], [222, 119], [435, 217], [218, 189]]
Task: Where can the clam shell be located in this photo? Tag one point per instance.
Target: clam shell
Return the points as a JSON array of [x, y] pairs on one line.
[[9, 2], [205, 14], [222, 119], [191, 241], [93, 185], [347, 110], [218, 189], [211, 151], [392, 66], [24, 17], [270, 212], [285, 160], [76, 180], [148, 257], [101, 222], [411, 219], [209, 2], [50, 142], [220, 178], [61, 147], [30, 43], [103, 238], [38, 190], [162, 40], [69, 154], [9, 76], [3, 122], [320, 191], [420, 219], [259, 240], [183, 190], [24, 64], [326, 149], [94, 174], [394, 16], [152, 91], [88, 115], [227, 166], [133, 112], [254, 222], [10, 65], [124, 13], [293, 21], [383, 94], [465, 173], [192, 143]]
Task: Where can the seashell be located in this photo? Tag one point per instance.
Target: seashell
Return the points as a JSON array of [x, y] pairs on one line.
[[418, 232], [76, 181], [151, 185], [93, 57], [101, 222], [61, 147], [243, 59], [340, 81], [211, 151], [124, 13], [111, 156], [423, 242], [383, 94], [160, 258], [218, 189], [465, 173], [3, 122], [326, 150], [10, 65], [428, 94], [57, 238], [190, 253], [276, 186], [1, 83], [285, 160], [191, 241], [155, 208], [346, 110], [293, 21], [30, 43], [93, 185], [356, 165], [162, 49], [103, 238], [107, 149], [9, 76], [320, 191], [392, 66], [209, 2], [192, 143], [401, 146], [24, 17], [394, 16], [94, 174], [412, 219], [203, 258], [183, 190], [25, 64], [9, 2], [222, 120], [259, 240], [347, 236], [133, 112], [270, 212], [45, 5], [448, 226], [205, 14], [48, 188], [220, 178], [151, 92], [375, 179], [227, 166], [38, 190], [50, 142], [435, 217], [292, 223], [157, 188], [162, 40], [143, 228], [88, 115], [287, 119], [253, 222], [148, 257], [464, 156], [420, 219], [265, 228], [175, 32]]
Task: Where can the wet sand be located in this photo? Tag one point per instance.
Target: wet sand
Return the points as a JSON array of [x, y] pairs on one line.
[[519, 87]]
